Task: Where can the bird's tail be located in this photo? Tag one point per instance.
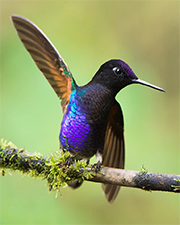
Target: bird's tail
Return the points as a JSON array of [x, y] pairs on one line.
[[75, 184]]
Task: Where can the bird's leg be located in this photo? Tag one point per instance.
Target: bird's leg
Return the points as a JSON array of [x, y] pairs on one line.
[[69, 160], [97, 165]]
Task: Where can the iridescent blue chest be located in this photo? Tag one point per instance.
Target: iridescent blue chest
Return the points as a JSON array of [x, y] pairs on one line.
[[84, 123]]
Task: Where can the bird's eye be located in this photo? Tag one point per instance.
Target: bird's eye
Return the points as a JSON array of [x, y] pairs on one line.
[[117, 71]]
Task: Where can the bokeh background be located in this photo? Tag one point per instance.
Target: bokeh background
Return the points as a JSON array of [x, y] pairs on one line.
[[145, 34]]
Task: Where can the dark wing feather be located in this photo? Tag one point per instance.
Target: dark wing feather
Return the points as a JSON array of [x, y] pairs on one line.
[[114, 150], [46, 57]]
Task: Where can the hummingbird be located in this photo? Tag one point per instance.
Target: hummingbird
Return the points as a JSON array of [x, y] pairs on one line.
[[92, 121]]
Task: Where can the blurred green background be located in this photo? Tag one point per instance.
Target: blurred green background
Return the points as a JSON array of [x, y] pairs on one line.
[[145, 34]]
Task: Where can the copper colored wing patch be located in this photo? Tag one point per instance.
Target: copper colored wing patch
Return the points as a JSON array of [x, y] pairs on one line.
[[114, 150], [46, 57]]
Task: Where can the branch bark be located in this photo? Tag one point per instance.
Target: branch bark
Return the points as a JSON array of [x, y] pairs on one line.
[[143, 180], [58, 173]]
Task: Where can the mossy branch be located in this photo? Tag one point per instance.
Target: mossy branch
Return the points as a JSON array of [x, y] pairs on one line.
[[58, 173]]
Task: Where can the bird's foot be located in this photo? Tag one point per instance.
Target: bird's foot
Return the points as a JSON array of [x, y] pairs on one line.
[[96, 166], [69, 161]]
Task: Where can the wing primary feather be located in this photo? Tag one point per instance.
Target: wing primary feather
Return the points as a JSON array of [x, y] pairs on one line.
[[109, 143], [49, 71], [44, 63], [106, 144], [118, 155], [113, 154], [34, 53], [31, 27], [47, 58]]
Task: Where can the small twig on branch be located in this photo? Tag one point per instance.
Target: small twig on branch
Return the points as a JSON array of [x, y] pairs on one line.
[[58, 173]]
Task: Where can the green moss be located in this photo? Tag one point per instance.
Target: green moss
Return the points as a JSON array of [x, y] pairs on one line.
[[176, 187], [143, 170], [54, 168]]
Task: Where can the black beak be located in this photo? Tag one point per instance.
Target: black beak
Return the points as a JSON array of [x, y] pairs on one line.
[[138, 81]]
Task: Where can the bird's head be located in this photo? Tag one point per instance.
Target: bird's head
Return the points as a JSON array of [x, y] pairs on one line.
[[116, 74]]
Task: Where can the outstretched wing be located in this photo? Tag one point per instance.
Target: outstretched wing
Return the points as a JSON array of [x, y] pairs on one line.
[[114, 150], [46, 57]]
